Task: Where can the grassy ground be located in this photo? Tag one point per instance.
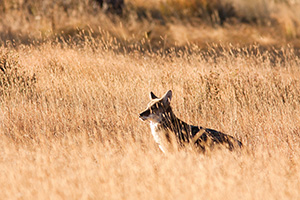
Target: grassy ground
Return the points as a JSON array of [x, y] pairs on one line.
[[69, 106], [72, 130]]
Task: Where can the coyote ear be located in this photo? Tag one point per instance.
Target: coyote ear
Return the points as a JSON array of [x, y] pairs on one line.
[[152, 96], [167, 97]]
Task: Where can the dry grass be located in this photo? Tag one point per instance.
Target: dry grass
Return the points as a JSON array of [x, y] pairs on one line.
[[70, 99], [171, 22], [77, 135]]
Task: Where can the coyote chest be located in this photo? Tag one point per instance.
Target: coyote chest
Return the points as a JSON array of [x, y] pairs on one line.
[[160, 136], [155, 133]]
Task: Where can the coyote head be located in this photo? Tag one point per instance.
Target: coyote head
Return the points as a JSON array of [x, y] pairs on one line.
[[157, 108]]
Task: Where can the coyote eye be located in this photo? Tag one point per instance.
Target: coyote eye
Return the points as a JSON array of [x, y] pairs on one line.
[[154, 107], [151, 110]]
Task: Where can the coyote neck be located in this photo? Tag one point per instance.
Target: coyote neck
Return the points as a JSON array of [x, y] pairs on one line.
[[182, 130], [171, 122]]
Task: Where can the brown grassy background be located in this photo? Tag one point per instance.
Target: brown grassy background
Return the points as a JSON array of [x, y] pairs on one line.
[[158, 22], [69, 126]]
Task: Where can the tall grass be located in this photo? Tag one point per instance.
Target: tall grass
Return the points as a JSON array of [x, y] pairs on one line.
[[77, 135], [73, 81]]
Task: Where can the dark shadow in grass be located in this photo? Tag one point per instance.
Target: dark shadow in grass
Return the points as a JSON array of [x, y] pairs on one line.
[[106, 41]]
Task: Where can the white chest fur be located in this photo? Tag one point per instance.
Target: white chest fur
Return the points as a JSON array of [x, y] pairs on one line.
[[157, 135]]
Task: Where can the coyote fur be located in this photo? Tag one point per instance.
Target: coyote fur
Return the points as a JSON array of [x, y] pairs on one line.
[[169, 132]]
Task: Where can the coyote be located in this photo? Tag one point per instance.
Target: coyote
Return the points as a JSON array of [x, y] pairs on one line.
[[169, 132]]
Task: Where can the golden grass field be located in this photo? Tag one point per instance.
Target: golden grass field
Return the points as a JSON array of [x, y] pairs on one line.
[[74, 133], [69, 126]]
